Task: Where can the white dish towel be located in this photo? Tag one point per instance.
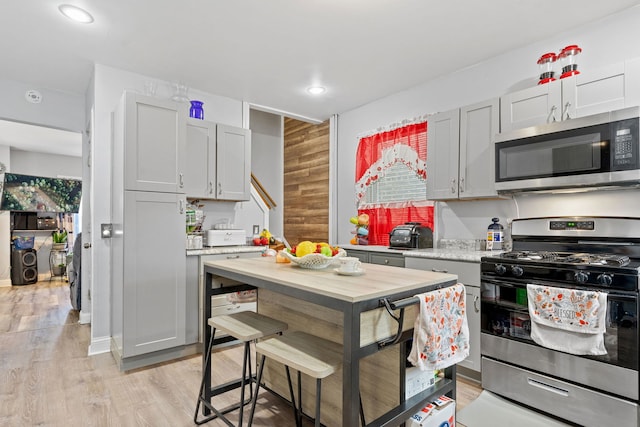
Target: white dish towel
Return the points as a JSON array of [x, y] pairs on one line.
[[441, 331], [568, 320]]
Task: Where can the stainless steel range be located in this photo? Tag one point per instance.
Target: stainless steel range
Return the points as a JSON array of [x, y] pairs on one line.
[[600, 254]]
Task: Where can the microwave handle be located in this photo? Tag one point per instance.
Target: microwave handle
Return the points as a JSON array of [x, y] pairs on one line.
[[552, 114]]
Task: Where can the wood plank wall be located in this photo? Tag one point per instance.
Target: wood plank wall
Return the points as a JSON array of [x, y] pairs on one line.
[[306, 181]]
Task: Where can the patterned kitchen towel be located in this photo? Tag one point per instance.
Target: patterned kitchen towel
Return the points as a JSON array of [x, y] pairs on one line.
[[568, 320], [441, 331]]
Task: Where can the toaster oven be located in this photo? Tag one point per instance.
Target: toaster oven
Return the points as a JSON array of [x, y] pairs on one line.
[[411, 235]]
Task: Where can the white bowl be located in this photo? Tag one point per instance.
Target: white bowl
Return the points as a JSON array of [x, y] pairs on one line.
[[314, 261]]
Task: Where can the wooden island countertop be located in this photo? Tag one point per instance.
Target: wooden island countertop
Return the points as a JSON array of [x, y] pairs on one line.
[[346, 310]]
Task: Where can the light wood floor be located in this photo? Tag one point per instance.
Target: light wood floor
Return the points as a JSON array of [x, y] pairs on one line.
[[47, 379]]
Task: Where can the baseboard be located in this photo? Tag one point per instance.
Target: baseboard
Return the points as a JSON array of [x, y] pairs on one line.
[[5, 282], [85, 317], [99, 346]]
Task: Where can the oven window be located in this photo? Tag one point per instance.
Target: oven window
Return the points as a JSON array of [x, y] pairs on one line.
[[504, 313]]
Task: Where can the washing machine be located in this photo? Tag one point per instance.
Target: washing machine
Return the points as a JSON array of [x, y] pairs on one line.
[[24, 266]]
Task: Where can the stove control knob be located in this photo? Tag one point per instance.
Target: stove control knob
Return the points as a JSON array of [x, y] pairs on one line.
[[517, 271], [500, 269], [581, 277], [605, 279]]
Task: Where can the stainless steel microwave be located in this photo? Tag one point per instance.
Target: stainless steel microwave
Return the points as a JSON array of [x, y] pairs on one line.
[[593, 151]]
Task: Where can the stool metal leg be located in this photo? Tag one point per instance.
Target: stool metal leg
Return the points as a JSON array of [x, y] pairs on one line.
[[202, 383], [318, 398], [297, 409], [246, 361], [255, 395]]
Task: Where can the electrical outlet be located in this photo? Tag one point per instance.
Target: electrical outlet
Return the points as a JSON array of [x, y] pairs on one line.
[[256, 229]]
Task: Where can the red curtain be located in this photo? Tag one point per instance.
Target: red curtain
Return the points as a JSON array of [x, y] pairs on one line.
[[371, 163], [382, 220]]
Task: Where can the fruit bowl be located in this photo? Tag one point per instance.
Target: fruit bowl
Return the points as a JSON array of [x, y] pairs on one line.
[[314, 261]]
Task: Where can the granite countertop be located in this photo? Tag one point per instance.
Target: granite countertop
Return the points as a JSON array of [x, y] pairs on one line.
[[220, 250], [453, 254]]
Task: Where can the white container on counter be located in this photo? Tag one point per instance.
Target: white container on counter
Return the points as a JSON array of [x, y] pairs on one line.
[[225, 237]]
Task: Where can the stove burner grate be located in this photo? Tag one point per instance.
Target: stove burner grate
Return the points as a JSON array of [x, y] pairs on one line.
[[604, 259], [531, 255]]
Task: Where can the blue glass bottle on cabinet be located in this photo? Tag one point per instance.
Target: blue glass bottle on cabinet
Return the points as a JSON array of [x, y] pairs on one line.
[[196, 111]]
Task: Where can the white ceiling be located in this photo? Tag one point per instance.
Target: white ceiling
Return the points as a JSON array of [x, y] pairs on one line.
[[268, 52]]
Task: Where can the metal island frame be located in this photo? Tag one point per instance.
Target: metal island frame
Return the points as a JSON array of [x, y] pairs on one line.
[[372, 310]]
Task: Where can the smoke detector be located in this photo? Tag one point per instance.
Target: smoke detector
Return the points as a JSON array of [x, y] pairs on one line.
[[33, 96]]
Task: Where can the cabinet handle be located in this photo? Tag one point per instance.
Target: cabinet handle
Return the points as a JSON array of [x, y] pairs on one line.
[[453, 186], [552, 114], [233, 256], [181, 180], [435, 270], [565, 113], [475, 303], [219, 189], [181, 210], [210, 187], [386, 261], [461, 186]]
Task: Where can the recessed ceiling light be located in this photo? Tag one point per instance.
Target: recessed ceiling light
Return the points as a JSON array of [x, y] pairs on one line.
[[75, 13], [316, 90]]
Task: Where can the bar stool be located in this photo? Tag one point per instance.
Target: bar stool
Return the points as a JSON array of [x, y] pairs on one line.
[[308, 354], [246, 326]]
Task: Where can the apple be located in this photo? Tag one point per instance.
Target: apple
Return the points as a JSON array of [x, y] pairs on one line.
[[256, 241]]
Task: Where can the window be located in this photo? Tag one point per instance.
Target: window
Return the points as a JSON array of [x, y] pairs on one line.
[[391, 180]]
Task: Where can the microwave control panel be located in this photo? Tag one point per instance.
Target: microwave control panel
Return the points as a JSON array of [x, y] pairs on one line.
[[625, 144]]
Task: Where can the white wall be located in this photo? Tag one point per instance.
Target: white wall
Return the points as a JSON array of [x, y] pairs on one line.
[[44, 164], [613, 39], [108, 85], [267, 161]]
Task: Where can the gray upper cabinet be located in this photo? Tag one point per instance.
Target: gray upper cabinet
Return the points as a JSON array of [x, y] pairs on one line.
[[219, 161], [608, 88], [199, 179], [154, 153], [460, 154], [233, 163]]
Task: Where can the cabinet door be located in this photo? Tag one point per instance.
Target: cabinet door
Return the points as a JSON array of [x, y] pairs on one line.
[[530, 107], [473, 319], [154, 144], [594, 92], [443, 137], [153, 294], [199, 177], [478, 125], [233, 161]]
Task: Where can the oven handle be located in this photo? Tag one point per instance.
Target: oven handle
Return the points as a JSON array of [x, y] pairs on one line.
[[611, 293]]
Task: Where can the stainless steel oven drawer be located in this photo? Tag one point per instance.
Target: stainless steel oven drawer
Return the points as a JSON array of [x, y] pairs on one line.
[[568, 401]]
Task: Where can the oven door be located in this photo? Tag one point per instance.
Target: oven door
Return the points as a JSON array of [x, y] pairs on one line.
[[505, 313], [506, 328]]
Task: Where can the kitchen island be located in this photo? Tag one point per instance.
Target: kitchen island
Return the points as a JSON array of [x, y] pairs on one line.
[[346, 310]]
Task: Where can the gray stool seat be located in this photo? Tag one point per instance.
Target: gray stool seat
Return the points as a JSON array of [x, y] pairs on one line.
[[308, 354], [246, 326]]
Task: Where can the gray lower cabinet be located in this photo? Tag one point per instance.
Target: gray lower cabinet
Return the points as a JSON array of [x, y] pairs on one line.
[[382, 258], [148, 278], [469, 275]]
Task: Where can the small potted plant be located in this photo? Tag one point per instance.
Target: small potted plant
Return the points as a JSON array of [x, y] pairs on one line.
[[59, 240]]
